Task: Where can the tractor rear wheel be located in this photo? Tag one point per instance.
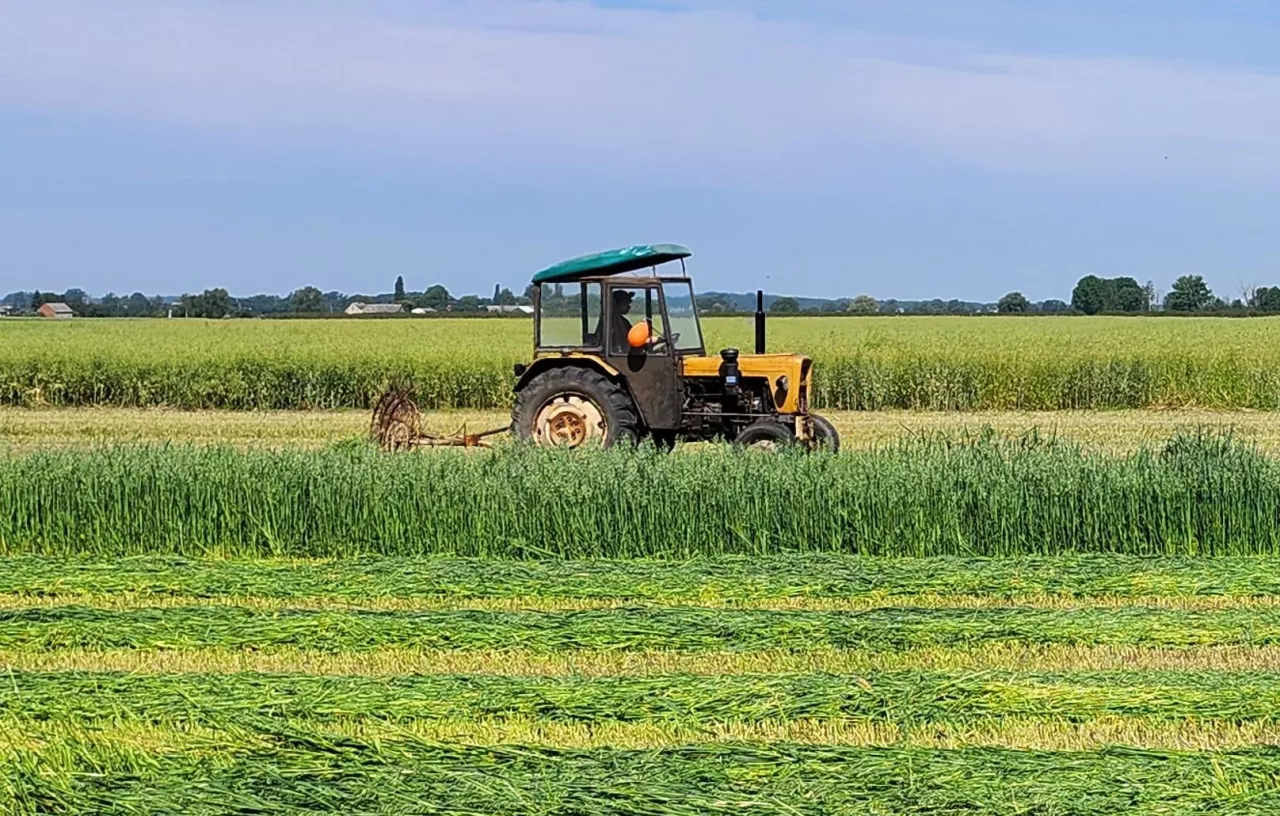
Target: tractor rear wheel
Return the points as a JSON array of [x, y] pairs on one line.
[[825, 435], [766, 434], [572, 406]]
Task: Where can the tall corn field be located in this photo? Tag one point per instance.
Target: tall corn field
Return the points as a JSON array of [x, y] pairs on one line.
[[925, 363]]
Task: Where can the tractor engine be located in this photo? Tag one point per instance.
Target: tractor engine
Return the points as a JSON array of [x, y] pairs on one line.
[[721, 406]]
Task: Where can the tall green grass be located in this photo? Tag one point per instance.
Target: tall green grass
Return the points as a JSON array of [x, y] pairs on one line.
[[931, 363], [1197, 496]]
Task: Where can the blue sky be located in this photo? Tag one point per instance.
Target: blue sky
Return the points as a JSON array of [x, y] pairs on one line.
[[902, 148]]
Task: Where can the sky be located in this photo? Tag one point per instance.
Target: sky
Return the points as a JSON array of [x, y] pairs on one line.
[[900, 148]]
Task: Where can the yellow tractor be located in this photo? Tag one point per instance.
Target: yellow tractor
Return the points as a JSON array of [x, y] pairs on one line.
[[619, 356]]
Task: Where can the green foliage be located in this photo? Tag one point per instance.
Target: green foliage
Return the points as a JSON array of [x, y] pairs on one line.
[[863, 304], [436, 297], [1266, 299], [307, 300], [1013, 303], [1093, 295], [1089, 295], [1189, 294], [1200, 496], [784, 305]]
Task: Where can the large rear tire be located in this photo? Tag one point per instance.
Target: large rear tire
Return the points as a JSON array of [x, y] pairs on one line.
[[825, 435], [572, 406]]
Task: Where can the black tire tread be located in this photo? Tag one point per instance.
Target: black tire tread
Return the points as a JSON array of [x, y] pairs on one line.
[[825, 435], [764, 430]]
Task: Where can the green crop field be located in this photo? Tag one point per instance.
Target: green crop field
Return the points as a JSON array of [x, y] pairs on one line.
[[1052, 614], [783, 684], [1198, 494], [957, 363]]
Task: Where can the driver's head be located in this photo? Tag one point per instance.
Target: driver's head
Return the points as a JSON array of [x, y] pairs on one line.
[[622, 300]]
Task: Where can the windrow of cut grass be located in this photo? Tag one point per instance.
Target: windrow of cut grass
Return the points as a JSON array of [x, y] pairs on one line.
[[604, 662], [700, 581], [1196, 496], [906, 699], [1025, 734], [312, 770], [688, 629], [925, 363]]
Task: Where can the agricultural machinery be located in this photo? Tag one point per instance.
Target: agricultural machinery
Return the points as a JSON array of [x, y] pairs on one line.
[[620, 356]]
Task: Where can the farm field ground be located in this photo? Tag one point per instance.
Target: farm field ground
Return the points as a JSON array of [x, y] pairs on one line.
[[787, 684], [214, 611], [23, 430]]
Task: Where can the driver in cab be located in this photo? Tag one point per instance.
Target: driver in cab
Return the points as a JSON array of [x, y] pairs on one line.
[[619, 326]]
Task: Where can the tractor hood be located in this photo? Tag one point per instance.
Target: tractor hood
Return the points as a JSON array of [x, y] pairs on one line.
[[797, 368]]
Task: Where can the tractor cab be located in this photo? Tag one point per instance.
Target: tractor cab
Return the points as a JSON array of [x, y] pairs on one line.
[[594, 304], [638, 326]]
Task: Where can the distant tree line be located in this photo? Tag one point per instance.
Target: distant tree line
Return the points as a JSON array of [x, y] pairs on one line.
[[1092, 295], [219, 303]]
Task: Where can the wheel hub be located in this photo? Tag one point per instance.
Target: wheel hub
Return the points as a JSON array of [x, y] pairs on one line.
[[569, 420]]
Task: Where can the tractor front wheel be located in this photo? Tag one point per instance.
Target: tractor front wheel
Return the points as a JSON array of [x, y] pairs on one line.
[[765, 434], [825, 435], [573, 406]]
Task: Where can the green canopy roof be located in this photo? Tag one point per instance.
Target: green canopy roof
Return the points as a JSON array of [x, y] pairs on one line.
[[613, 262]]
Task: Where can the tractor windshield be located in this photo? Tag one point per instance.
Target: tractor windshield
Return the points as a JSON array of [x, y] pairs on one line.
[[682, 311]]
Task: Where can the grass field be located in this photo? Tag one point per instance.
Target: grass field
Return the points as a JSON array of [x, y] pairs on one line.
[[930, 363], [1046, 613], [1201, 495], [25, 430], [1088, 685]]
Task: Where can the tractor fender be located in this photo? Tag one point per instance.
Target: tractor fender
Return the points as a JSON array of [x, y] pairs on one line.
[[561, 360]]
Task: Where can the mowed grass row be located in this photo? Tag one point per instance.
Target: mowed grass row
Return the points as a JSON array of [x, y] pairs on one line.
[[25, 430], [862, 364], [604, 662], [311, 770], [905, 699], [682, 629], [700, 581], [1197, 495]]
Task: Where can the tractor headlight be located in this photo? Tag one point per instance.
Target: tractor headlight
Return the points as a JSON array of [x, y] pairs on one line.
[[784, 383]]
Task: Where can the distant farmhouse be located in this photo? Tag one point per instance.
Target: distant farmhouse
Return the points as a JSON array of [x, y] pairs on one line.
[[509, 309], [357, 309], [56, 311]]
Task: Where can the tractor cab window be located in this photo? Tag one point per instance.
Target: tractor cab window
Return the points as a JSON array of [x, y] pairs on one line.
[[568, 314], [683, 311], [629, 307]]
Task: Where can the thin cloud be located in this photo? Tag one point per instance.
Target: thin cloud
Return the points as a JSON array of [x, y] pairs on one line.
[[714, 93]]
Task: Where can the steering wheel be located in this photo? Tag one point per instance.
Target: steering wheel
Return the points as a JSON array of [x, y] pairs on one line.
[[668, 341]]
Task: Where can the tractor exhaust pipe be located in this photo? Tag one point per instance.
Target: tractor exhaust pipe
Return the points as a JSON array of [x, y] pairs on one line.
[[759, 321]]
